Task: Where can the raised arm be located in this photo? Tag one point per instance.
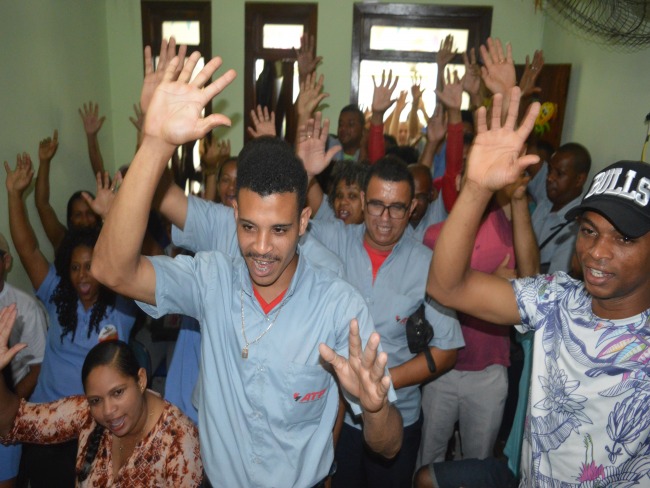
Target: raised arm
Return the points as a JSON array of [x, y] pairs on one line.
[[381, 101], [263, 123], [400, 105], [309, 98], [413, 120], [445, 54], [213, 154], [310, 148], [21, 230], [498, 70], [92, 124], [173, 118], [525, 243], [307, 60], [472, 79], [363, 376], [9, 402], [105, 193], [451, 96], [436, 131], [54, 229], [493, 163]]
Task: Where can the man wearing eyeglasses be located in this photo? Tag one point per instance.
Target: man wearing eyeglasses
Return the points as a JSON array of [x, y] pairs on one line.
[[389, 267]]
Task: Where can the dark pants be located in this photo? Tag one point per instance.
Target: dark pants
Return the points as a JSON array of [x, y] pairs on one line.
[[472, 473], [358, 467], [48, 466]]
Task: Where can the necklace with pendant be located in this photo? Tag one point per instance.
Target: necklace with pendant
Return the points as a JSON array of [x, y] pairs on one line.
[[244, 351]]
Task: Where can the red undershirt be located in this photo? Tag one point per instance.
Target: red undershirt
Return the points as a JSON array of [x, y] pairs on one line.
[[267, 307], [377, 258]]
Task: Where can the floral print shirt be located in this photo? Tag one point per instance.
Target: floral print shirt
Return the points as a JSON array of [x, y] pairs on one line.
[[168, 456], [588, 417]]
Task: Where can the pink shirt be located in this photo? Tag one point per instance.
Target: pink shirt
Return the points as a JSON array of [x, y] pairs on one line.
[[485, 343]]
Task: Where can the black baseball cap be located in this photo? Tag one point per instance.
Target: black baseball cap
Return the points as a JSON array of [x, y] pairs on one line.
[[621, 193]]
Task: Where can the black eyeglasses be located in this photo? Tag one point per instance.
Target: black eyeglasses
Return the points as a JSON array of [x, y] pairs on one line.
[[395, 210]]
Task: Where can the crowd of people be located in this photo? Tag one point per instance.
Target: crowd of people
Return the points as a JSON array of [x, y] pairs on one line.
[[343, 300]]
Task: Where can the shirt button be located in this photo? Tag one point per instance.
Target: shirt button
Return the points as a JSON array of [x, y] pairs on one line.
[[257, 460]]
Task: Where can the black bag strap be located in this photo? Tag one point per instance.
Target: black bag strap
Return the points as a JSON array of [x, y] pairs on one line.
[[557, 229]]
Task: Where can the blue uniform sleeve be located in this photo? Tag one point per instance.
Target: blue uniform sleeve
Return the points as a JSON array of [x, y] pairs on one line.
[[325, 211], [208, 226], [177, 289]]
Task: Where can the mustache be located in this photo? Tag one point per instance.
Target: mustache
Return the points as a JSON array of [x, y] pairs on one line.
[[262, 257]]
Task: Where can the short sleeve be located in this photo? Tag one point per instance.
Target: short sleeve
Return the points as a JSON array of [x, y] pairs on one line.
[[177, 289], [208, 226], [535, 296], [325, 211]]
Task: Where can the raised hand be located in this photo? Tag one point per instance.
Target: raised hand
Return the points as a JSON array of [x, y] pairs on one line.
[[214, 153], [472, 78], [311, 95], [307, 62], [48, 146], [7, 319], [363, 373], [263, 123], [91, 119], [446, 52], [310, 145], [451, 94], [495, 159], [153, 77], [531, 72], [436, 127], [20, 178], [105, 193], [498, 70], [174, 115], [138, 120], [417, 90], [400, 103], [381, 97]]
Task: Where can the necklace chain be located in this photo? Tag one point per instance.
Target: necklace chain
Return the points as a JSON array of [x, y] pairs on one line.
[[244, 351]]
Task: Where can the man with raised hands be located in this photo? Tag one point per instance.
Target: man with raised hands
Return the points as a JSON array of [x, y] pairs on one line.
[[587, 420], [267, 399]]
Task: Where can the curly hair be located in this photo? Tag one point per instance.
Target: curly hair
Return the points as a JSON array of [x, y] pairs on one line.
[[268, 165], [348, 172], [65, 297]]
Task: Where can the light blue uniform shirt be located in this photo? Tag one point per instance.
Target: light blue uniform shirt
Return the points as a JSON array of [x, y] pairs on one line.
[[397, 292], [556, 254], [60, 374], [210, 226], [266, 420]]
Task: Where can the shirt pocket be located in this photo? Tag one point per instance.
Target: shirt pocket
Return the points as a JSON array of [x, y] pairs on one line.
[[306, 389]]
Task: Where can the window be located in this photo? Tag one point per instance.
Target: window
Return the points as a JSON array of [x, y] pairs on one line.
[[273, 30], [406, 38], [189, 23]]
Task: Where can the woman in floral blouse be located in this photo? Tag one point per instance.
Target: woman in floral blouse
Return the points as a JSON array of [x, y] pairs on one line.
[[128, 436]]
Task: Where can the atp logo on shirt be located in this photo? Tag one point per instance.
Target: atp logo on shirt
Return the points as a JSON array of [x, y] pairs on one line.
[[309, 397]]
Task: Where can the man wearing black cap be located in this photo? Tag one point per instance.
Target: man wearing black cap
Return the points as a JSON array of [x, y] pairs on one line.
[[588, 416]]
